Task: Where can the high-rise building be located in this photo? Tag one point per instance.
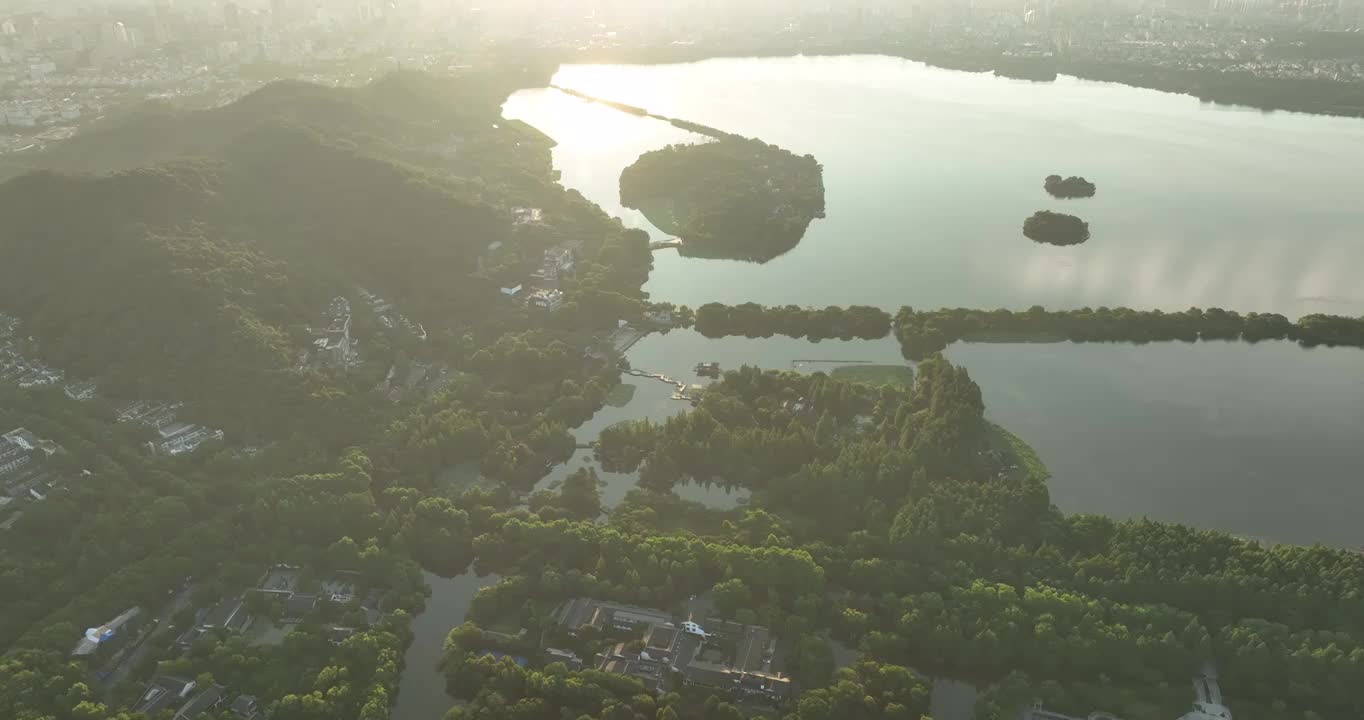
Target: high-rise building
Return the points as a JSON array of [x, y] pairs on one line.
[[232, 16]]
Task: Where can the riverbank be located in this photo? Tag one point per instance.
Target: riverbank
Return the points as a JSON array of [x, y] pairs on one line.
[[421, 689]]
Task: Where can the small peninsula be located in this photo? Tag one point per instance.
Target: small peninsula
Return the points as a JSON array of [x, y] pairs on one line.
[[1055, 228], [1069, 188], [735, 198]]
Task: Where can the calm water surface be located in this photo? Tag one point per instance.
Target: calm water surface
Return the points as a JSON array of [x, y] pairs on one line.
[[421, 691], [929, 175]]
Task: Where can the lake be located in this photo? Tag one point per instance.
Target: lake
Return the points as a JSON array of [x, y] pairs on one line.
[[929, 174]]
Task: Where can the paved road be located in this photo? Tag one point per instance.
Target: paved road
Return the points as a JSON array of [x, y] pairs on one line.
[[162, 619], [699, 608]]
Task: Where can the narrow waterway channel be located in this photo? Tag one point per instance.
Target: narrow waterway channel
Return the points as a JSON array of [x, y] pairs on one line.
[[421, 691]]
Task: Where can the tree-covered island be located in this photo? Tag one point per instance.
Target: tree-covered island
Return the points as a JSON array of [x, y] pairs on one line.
[[1055, 228], [1071, 187], [734, 198]]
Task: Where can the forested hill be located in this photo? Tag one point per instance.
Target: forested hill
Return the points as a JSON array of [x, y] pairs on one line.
[[399, 110], [193, 279]]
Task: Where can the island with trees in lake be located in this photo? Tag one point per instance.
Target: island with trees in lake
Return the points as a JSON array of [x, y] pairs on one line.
[[736, 197], [1055, 228], [1071, 187]]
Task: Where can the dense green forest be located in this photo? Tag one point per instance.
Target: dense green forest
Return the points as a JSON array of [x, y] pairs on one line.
[[893, 519], [734, 197], [907, 535], [193, 280], [198, 277]]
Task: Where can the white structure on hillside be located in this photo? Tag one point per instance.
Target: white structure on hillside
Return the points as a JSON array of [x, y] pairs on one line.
[[96, 636], [550, 300]]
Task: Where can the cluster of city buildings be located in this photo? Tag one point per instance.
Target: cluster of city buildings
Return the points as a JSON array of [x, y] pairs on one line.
[[543, 288], [25, 474], [64, 63], [24, 371], [389, 317], [332, 342], [283, 584], [172, 435], [167, 692], [119, 644], [335, 345], [17, 368], [722, 656]]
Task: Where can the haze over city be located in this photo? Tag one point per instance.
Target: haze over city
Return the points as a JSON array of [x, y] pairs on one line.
[[681, 360]]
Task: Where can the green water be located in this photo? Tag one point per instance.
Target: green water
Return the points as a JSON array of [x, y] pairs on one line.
[[929, 174]]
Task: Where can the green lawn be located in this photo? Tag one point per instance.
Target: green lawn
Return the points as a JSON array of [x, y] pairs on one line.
[[901, 375], [1019, 452]]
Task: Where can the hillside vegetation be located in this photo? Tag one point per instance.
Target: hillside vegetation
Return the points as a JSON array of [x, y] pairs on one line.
[[193, 279]]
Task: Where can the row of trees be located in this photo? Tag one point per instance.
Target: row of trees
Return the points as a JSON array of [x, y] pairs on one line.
[[986, 630], [922, 333], [751, 320]]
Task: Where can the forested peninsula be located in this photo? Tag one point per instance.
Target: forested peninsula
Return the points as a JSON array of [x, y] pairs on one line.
[[732, 198]]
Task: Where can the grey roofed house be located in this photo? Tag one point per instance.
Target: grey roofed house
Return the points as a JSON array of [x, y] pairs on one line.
[[620, 661], [162, 692], [753, 649], [580, 612], [567, 657], [201, 703], [298, 606], [230, 615], [711, 675], [661, 637], [733, 657], [246, 707]]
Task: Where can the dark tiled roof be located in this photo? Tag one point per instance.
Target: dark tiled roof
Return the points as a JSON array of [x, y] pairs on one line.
[[244, 705], [709, 674], [201, 703], [224, 614], [299, 605]]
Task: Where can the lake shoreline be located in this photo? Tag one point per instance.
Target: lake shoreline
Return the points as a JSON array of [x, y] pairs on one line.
[[1209, 87]]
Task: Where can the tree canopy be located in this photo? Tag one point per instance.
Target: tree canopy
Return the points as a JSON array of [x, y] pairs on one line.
[[732, 198]]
